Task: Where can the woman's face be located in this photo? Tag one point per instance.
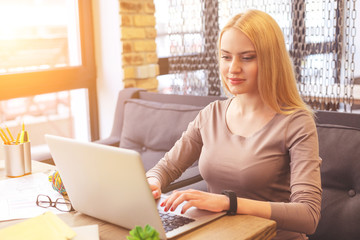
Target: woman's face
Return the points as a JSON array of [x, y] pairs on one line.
[[238, 62]]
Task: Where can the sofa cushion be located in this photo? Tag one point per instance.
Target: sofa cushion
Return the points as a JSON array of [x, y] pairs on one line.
[[340, 176], [152, 128]]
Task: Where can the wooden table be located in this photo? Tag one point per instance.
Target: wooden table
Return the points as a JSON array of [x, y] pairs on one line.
[[226, 227]]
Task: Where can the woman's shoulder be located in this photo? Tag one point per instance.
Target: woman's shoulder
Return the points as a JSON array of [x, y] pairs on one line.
[[298, 115], [299, 121], [303, 115]]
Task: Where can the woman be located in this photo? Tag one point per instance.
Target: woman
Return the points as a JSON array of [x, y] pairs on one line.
[[261, 143]]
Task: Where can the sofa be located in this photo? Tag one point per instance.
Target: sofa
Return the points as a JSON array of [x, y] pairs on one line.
[[150, 123]]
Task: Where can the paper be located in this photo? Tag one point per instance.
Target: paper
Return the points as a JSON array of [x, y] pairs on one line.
[[43, 227], [18, 196], [89, 232]]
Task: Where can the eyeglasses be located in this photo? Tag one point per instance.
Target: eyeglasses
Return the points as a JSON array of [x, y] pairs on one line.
[[60, 204]]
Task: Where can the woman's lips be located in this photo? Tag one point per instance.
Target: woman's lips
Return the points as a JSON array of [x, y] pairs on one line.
[[235, 81]]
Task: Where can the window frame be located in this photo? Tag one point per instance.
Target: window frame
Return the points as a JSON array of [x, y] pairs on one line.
[[16, 85]]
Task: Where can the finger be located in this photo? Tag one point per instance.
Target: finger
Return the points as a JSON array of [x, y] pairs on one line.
[[163, 204], [184, 196], [188, 205], [169, 201], [180, 198], [155, 190], [156, 193]]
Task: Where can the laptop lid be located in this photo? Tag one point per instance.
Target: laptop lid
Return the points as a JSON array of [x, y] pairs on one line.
[[110, 184], [105, 182]]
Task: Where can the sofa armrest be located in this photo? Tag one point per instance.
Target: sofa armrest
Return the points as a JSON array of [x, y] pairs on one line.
[[185, 183], [124, 95]]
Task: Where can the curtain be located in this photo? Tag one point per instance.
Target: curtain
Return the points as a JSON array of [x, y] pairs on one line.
[[319, 36]]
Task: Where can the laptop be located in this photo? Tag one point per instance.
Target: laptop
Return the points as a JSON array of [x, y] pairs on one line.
[[109, 183]]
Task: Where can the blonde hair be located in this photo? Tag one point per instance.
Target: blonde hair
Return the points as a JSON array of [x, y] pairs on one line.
[[276, 78]]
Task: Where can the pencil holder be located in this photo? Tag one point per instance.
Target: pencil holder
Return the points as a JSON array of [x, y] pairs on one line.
[[14, 160], [27, 157]]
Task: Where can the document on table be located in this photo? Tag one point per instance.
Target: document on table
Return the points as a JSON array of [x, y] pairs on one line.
[[43, 227], [18, 196], [48, 226]]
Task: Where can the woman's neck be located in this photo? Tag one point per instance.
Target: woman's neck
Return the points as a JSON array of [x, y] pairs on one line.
[[248, 105]]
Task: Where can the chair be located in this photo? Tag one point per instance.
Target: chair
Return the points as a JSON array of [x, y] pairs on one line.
[[339, 138]]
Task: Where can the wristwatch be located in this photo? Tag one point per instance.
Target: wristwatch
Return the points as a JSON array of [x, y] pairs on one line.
[[233, 202]]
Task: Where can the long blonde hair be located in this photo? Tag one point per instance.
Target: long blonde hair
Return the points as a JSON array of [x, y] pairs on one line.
[[276, 78]]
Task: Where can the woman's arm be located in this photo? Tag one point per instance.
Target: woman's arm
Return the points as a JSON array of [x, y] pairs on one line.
[[183, 154], [215, 203]]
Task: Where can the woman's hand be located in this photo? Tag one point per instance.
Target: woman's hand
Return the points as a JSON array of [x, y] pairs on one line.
[[155, 187], [194, 198]]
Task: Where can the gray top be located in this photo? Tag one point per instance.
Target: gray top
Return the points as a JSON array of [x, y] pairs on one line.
[[280, 163]]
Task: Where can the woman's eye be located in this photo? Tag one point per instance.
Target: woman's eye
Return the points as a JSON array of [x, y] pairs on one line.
[[225, 57], [248, 58]]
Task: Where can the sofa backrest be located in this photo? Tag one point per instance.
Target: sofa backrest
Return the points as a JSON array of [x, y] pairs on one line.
[[138, 93], [339, 139], [151, 123], [152, 128]]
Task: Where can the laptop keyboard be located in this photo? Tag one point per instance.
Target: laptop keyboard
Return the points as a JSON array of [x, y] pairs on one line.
[[172, 221]]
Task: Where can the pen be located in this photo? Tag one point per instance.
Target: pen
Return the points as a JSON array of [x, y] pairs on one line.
[[24, 137]]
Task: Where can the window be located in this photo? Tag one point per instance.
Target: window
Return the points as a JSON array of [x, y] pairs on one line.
[[47, 68], [185, 47], [320, 37]]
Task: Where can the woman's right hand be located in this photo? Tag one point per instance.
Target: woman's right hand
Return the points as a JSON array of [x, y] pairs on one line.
[[155, 187]]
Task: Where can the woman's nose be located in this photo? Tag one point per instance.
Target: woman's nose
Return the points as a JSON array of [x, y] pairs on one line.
[[235, 66]]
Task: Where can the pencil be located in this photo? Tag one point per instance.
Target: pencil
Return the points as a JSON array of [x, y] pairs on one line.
[[17, 139], [4, 134], [8, 130], [4, 140]]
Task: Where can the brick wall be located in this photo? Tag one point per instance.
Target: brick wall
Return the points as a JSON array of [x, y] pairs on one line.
[[139, 58]]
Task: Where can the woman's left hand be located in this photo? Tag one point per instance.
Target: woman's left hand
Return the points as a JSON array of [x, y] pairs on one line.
[[199, 199]]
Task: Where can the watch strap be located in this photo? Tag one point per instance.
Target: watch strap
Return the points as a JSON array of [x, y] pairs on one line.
[[233, 201]]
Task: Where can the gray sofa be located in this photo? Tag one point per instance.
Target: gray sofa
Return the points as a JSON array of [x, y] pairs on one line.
[[151, 123]]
